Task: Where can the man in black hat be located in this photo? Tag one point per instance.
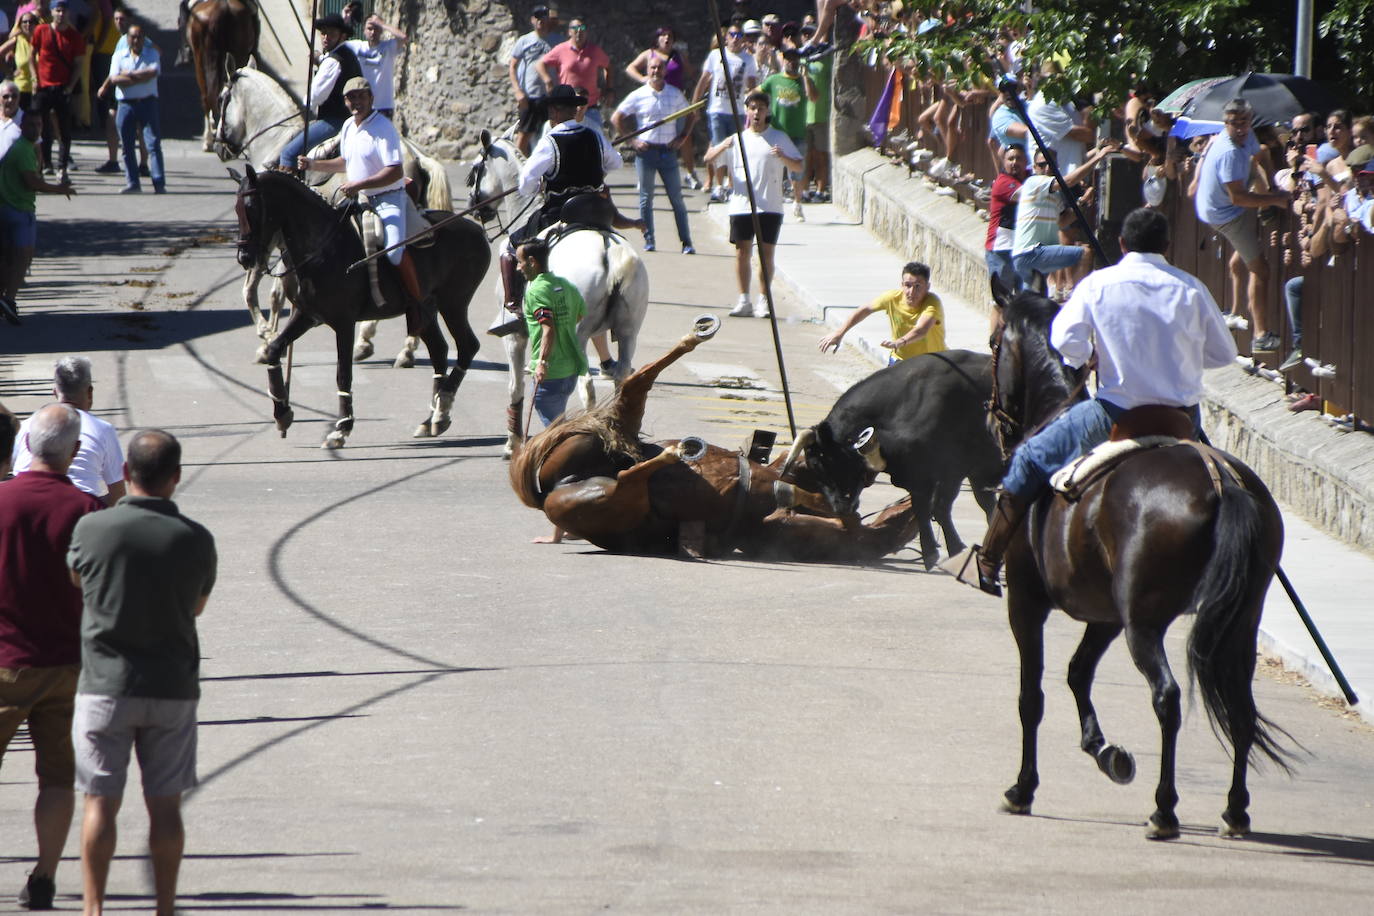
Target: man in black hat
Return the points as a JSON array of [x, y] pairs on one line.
[[337, 65], [571, 159]]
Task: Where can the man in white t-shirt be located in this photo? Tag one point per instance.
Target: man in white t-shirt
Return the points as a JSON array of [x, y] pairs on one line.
[[370, 157], [769, 153], [377, 58], [720, 119], [98, 467], [10, 115]]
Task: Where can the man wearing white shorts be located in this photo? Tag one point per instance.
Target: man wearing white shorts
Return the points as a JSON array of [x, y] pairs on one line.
[[145, 573]]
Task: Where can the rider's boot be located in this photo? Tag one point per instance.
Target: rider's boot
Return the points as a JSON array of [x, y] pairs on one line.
[[1005, 521], [411, 281], [512, 283]]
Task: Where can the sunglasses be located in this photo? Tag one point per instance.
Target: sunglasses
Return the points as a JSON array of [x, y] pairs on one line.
[[1042, 165], [734, 34], [577, 28]]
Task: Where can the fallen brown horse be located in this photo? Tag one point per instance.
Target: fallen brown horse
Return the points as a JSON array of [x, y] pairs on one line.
[[595, 478], [222, 35]]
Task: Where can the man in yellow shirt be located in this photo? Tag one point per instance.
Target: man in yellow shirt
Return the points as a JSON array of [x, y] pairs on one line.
[[915, 313]]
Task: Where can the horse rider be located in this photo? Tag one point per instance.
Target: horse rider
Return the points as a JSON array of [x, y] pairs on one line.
[[1153, 329], [336, 68], [370, 157], [572, 158]]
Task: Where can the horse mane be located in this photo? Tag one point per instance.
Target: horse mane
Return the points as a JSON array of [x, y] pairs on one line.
[[290, 184], [1047, 380], [601, 421]]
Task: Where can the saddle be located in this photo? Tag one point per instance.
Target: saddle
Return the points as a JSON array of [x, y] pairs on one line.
[[587, 211]]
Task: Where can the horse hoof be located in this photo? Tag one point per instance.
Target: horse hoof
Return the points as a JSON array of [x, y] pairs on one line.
[[362, 351], [1118, 763], [1234, 827], [423, 431], [1161, 828], [261, 356], [284, 420], [513, 445], [930, 560], [692, 448], [439, 427], [404, 360], [1012, 803], [334, 440], [705, 327]]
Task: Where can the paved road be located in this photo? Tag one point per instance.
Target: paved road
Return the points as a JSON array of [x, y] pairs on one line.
[[410, 707]]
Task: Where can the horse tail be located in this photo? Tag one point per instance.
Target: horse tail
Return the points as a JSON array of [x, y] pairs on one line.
[[623, 267], [1221, 647]]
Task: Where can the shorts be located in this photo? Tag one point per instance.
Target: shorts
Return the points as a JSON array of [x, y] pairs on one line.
[[742, 228], [1243, 234], [722, 125], [43, 697], [818, 137], [20, 227], [532, 117], [162, 732], [800, 144]]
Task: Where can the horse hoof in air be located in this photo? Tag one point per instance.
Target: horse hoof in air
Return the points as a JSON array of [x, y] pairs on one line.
[[404, 360], [1118, 763], [423, 431], [334, 440], [284, 420], [705, 327], [261, 355], [362, 351]]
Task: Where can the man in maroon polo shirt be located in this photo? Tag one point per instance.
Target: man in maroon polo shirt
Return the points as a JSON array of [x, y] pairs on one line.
[[40, 621]]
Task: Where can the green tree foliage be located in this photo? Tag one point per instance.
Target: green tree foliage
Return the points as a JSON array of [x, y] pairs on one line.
[[1108, 46]]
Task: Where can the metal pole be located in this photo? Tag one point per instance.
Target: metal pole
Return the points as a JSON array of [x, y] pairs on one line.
[[765, 278], [1302, 49], [1009, 87], [1317, 637]]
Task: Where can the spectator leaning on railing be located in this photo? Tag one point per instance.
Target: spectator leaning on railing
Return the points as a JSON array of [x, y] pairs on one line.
[[1225, 202]]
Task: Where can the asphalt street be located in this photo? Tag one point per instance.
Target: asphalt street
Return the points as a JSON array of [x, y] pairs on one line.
[[410, 707]]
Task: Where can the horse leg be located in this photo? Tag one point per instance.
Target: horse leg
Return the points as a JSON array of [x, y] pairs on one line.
[[1147, 651], [343, 377], [600, 505], [467, 345], [251, 278], [276, 385], [1113, 760], [923, 499], [1027, 615], [517, 345], [363, 347], [633, 393], [942, 509], [441, 396]]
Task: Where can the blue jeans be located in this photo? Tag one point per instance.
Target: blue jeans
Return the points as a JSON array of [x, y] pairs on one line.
[[1046, 259], [593, 117], [1073, 433], [662, 160], [551, 397], [1292, 295], [130, 114], [1000, 266], [320, 130]]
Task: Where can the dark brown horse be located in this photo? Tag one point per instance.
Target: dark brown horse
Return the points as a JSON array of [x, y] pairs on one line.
[[593, 477], [1170, 531], [222, 35]]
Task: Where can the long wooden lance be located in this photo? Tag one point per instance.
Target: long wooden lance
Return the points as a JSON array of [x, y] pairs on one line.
[[480, 204]]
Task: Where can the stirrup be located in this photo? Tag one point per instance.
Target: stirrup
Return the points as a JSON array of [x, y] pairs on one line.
[[958, 565]]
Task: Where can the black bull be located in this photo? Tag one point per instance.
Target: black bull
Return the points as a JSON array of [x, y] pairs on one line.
[[928, 418]]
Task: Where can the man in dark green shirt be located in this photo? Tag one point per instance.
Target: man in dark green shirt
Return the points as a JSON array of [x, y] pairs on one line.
[[19, 183], [145, 573], [553, 307]]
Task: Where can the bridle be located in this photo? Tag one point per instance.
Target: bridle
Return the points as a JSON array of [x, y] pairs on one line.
[[475, 178], [248, 243], [1005, 427], [238, 149]]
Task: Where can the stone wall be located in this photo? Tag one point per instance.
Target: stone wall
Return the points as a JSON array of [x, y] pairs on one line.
[[452, 80]]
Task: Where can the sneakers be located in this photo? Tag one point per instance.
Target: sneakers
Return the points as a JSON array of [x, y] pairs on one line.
[[761, 307], [1293, 361], [1269, 343], [131, 189], [38, 893], [688, 249], [1310, 401], [692, 182], [110, 167], [1236, 322], [743, 309], [797, 212]]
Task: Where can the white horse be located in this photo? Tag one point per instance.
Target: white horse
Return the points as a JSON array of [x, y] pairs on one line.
[[257, 116], [607, 271]]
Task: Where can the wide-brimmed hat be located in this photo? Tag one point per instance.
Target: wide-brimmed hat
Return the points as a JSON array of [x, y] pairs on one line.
[[333, 21]]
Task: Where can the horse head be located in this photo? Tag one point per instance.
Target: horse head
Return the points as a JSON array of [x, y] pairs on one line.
[[249, 209], [839, 468], [1030, 382], [228, 120], [495, 171]]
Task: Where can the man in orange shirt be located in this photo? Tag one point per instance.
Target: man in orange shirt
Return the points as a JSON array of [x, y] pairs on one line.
[[580, 64]]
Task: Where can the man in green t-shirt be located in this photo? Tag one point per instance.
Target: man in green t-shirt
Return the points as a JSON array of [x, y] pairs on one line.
[[553, 307], [817, 126], [20, 181], [914, 312], [789, 92]]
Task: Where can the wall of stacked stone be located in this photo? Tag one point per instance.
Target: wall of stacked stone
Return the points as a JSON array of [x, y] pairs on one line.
[[451, 82]]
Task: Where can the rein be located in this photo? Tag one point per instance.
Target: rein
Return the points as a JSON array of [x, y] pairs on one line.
[[478, 173], [246, 238], [1006, 426]]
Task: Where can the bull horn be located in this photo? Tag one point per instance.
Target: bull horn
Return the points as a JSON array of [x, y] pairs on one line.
[[866, 444], [804, 438]]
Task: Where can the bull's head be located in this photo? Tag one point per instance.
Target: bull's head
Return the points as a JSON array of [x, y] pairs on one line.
[[838, 468]]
